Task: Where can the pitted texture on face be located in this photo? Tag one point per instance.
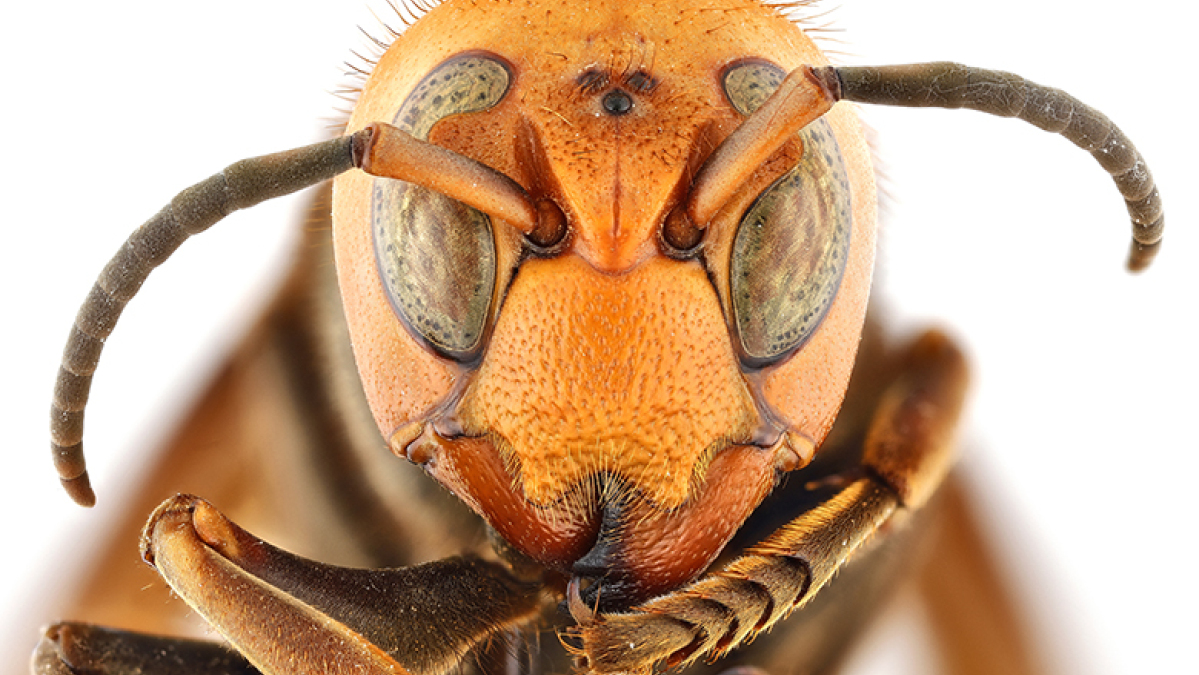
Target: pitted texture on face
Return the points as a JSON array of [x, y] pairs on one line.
[[604, 367], [631, 375]]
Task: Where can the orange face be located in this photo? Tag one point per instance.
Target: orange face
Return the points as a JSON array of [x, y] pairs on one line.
[[614, 406]]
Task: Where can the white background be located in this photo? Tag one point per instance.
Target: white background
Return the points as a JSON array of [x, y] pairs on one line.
[[1081, 432]]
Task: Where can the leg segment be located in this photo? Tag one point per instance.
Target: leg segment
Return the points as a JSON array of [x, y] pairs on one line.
[[289, 615], [975, 618], [907, 453], [76, 648]]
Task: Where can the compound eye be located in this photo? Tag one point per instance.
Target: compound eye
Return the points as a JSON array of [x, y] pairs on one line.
[[436, 255], [792, 245]]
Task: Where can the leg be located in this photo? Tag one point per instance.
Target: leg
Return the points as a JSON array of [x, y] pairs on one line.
[[71, 648], [974, 618], [907, 452], [420, 620], [286, 614]]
